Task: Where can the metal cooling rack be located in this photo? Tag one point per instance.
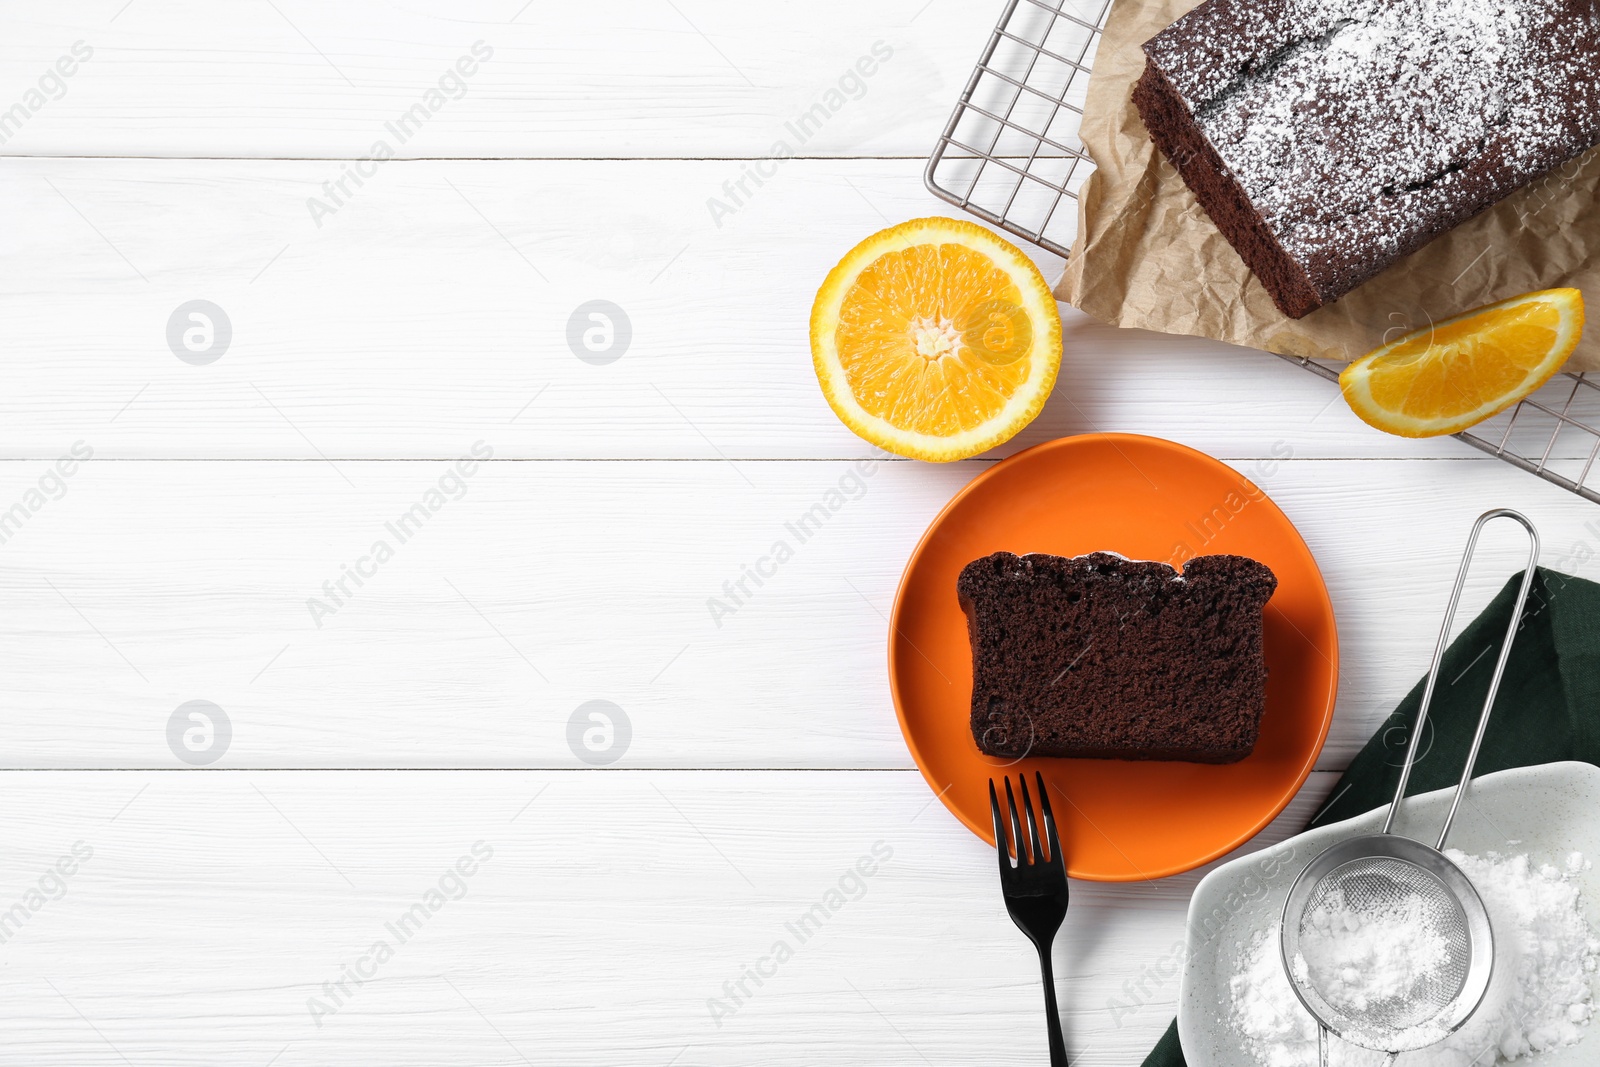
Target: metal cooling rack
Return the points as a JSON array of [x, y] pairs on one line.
[[1010, 155]]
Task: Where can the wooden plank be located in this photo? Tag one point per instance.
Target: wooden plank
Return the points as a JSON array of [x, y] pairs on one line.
[[293, 79], [433, 308], [535, 587], [207, 918]]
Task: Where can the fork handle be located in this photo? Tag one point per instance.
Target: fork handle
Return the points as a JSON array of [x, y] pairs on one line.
[[1052, 1017]]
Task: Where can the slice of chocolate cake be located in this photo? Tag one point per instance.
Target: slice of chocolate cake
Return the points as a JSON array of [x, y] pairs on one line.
[[1329, 138], [1103, 657]]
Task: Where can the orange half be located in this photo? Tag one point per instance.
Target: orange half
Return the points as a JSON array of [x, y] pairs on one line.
[[935, 339]]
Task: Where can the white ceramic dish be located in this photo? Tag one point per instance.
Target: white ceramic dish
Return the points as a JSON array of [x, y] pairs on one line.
[[1547, 811]]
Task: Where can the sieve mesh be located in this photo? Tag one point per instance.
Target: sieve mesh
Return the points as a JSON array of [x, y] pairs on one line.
[[1376, 886]]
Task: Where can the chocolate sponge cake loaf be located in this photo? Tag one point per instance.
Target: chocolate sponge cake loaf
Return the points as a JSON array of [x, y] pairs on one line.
[[1104, 657], [1329, 138]]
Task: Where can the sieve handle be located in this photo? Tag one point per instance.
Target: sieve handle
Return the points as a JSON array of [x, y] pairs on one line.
[[1438, 657]]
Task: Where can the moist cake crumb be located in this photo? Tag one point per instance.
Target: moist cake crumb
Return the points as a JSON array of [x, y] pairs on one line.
[[1105, 657]]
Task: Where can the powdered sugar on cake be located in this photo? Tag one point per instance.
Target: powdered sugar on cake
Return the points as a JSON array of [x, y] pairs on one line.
[[1415, 86], [1346, 122]]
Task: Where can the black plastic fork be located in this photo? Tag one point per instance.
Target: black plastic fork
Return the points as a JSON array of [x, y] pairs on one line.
[[1035, 889]]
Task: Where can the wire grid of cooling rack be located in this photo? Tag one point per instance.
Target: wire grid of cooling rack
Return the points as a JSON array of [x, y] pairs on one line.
[[1010, 155]]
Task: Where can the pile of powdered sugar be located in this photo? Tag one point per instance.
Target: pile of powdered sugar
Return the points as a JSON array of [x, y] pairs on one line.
[[1539, 997], [1358, 956]]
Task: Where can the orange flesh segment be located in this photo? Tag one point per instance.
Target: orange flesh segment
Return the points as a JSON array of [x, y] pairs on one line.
[[934, 339], [1486, 358]]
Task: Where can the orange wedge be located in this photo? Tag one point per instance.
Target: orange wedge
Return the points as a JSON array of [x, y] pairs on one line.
[[1461, 371], [935, 339]]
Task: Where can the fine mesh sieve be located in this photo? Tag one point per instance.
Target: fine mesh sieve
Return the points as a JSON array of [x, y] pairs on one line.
[[1384, 878], [1367, 885], [1372, 876]]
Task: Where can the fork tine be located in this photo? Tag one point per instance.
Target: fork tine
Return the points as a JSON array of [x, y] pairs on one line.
[[1033, 826], [999, 831], [1049, 821], [1016, 825]]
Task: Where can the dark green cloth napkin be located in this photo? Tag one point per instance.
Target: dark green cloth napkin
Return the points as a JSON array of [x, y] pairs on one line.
[[1548, 709]]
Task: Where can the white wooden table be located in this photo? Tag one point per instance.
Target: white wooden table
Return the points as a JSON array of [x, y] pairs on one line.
[[416, 724]]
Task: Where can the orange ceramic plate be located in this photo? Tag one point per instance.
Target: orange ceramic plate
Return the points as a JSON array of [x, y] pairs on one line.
[[1147, 499]]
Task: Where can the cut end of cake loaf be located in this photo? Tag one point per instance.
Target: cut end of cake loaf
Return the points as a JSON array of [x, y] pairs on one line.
[[1165, 117], [1103, 657]]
